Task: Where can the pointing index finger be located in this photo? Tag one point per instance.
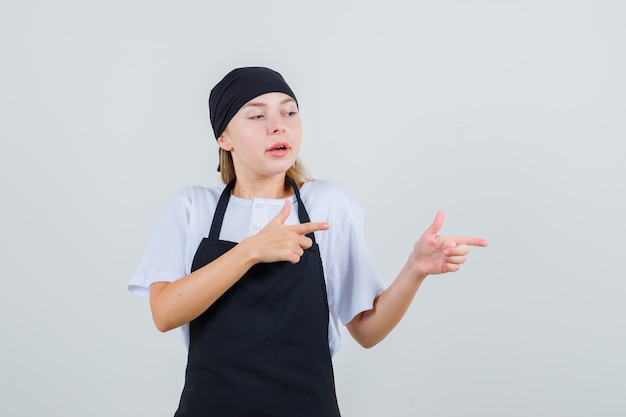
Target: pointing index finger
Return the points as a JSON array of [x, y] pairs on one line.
[[306, 228], [469, 240]]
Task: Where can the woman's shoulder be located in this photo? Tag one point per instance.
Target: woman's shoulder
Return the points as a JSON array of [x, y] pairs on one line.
[[193, 192], [329, 193], [323, 186], [197, 196], [332, 188]]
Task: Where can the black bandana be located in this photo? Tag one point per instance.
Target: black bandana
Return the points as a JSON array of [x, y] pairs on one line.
[[237, 88]]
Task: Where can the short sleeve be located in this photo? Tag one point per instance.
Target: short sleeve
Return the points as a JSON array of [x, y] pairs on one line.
[[358, 282], [165, 256], [352, 280]]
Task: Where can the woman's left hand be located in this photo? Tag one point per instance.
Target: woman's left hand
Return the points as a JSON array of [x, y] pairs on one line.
[[434, 254]]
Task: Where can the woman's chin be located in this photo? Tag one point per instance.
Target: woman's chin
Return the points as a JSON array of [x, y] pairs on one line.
[[281, 166]]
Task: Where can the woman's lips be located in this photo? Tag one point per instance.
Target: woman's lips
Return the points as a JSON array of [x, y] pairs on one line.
[[278, 149]]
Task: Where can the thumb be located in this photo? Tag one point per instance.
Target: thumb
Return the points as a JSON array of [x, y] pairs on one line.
[[437, 223], [283, 214]]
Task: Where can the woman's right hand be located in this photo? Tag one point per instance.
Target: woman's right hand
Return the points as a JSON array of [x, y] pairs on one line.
[[279, 242]]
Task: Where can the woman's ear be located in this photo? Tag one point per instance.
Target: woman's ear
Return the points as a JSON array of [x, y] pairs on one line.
[[223, 143]]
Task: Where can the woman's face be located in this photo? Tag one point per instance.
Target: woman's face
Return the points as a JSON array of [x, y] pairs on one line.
[[264, 136]]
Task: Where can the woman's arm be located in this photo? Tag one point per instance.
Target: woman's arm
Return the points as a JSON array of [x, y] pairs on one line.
[[176, 303], [432, 254]]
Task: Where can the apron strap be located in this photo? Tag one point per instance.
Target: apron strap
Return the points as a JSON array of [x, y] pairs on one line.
[[218, 217], [302, 213]]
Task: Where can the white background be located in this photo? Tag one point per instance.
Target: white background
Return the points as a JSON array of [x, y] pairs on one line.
[[507, 115]]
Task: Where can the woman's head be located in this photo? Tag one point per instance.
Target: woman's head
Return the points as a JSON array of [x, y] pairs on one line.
[[255, 101]]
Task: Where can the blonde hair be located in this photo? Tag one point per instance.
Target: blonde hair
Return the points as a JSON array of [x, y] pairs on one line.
[[227, 169]]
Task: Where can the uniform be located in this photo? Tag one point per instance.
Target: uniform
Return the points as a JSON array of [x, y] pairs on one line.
[[278, 358]]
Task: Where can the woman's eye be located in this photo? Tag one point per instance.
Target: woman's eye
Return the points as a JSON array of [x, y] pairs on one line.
[[257, 117], [292, 113]]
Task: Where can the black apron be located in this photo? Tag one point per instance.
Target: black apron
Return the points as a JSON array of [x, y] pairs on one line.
[[262, 348]]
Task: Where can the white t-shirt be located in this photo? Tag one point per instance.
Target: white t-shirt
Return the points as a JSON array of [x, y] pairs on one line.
[[352, 281]]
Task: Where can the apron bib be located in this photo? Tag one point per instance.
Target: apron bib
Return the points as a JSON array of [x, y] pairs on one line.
[[261, 349]]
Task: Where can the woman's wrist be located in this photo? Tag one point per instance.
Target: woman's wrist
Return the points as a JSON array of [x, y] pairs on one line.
[[414, 268]]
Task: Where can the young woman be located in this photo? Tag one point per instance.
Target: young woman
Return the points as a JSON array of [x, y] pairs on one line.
[[257, 273]]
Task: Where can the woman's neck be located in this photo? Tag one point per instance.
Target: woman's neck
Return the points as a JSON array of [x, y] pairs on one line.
[[273, 187]]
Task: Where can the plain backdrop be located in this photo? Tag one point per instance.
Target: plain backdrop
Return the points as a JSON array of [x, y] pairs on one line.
[[507, 115]]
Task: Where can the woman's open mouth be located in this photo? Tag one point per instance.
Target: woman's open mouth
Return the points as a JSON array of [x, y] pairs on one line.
[[278, 149]]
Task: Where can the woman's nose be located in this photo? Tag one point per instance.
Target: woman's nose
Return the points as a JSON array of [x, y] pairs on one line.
[[275, 123]]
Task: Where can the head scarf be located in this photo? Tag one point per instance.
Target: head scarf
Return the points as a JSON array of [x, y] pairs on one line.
[[237, 88]]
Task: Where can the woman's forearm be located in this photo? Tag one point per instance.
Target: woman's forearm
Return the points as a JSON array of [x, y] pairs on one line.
[[371, 326], [176, 303]]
